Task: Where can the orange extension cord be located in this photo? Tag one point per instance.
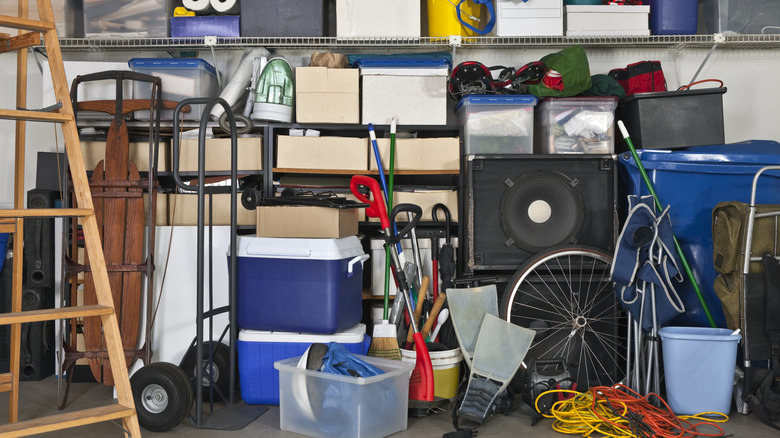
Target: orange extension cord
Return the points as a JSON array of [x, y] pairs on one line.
[[618, 411]]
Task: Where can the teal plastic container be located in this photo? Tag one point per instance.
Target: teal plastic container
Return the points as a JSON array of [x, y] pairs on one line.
[[673, 17], [699, 367]]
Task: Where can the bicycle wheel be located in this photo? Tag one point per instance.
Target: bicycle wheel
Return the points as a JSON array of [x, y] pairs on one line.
[[565, 294]]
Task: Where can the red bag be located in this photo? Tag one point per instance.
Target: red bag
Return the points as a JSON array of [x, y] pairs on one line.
[[640, 77]]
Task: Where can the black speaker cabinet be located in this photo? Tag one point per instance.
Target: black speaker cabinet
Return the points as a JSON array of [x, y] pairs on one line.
[[39, 242], [519, 205]]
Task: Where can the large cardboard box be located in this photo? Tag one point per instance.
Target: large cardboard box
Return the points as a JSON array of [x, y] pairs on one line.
[[415, 96], [306, 221], [183, 210], [327, 95], [218, 150], [422, 154], [94, 151], [334, 153]]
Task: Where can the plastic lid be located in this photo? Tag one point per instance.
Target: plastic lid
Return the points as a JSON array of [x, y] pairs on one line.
[[402, 62], [299, 248], [353, 335], [171, 63], [733, 158], [662, 94], [496, 99]]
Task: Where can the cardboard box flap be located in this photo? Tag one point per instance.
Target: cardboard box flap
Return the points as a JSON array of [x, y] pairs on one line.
[[326, 80]]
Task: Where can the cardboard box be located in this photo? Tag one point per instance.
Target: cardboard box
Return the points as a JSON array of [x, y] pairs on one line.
[[250, 154], [161, 215], [426, 200], [94, 151], [335, 153], [384, 19], [183, 210], [415, 96], [306, 221], [421, 154], [327, 95]]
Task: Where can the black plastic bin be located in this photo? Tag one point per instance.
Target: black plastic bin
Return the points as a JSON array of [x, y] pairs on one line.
[[674, 119]]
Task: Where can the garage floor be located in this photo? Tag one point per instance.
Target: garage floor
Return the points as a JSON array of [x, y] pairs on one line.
[[40, 399]]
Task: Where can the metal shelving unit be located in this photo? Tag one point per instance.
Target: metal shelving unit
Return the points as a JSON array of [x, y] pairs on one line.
[[725, 41]]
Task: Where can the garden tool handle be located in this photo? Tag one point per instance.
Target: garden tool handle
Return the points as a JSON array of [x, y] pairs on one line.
[[376, 206], [418, 308], [401, 208], [437, 305], [446, 211]]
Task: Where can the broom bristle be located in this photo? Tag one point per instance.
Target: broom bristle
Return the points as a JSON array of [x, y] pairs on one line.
[[384, 343]]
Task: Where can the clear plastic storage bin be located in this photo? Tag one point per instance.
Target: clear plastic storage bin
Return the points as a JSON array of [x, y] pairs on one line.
[[497, 124], [575, 125]]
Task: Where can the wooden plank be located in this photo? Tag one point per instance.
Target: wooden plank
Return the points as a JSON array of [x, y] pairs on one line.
[[52, 314], [23, 41], [6, 378], [47, 212], [34, 116], [25, 24], [66, 420]]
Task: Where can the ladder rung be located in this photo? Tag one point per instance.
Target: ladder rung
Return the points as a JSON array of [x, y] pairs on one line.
[[35, 116], [23, 41], [52, 314], [25, 23], [47, 212], [66, 420]]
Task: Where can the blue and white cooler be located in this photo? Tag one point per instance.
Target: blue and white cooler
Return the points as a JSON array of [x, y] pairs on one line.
[[299, 285], [258, 350]]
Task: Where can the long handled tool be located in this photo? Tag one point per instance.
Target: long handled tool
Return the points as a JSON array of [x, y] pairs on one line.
[[421, 380], [651, 189]]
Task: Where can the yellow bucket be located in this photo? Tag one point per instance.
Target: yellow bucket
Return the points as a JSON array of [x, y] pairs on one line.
[[446, 370], [443, 18]]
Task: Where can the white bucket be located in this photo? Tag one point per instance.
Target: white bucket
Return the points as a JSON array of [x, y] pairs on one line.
[[446, 370]]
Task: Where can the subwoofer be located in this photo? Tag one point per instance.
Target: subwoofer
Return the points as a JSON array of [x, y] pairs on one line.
[[519, 205], [39, 241]]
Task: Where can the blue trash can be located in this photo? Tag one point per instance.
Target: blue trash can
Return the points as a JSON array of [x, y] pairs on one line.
[[693, 181], [699, 367]]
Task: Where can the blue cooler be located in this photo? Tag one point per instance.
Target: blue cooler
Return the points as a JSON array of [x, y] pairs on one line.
[[258, 350], [299, 285], [693, 181]]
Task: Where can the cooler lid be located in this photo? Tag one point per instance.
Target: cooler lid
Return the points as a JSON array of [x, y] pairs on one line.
[[353, 335], [733, 158], [299, 248], [493, 99], [171, 63]]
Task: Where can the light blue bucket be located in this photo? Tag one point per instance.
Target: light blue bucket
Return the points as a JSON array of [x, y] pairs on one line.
[[699, 368]]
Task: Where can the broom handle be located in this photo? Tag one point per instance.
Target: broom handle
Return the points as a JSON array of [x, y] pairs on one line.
[[658, 205]]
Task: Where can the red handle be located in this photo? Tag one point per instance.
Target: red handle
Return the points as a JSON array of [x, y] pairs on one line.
[[376, 206]]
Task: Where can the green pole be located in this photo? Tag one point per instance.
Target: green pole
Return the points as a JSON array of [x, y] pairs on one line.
[[683, 259], [391, 172]]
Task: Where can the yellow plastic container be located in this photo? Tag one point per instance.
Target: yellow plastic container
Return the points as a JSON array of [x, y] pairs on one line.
[[443, 18], [446, 370]]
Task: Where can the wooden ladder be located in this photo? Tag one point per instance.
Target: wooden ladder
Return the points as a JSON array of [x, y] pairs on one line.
[[11, 221]]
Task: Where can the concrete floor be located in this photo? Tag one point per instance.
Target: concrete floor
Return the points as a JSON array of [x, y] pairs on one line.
[[40, 399]]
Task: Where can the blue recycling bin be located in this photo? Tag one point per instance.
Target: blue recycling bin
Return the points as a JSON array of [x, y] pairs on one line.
[[692, 182]]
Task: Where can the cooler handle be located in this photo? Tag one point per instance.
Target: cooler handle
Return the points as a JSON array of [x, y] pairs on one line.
[[361, 258]]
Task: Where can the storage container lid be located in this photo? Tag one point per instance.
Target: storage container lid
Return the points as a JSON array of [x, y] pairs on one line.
[[608, 9], [353, 335], [492, 99], [402, 62], [681, 93], [171, 63], [734, 158], [292, 248], [601, 102]]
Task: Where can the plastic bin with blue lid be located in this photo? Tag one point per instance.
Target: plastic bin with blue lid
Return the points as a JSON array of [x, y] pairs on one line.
[[497, 124], [692, 182], [182, 78], [258, 350]]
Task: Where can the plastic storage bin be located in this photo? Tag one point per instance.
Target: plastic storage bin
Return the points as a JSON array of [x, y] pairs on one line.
[[741, 16], [579, 125], [607, 20], [116, 18], [673, 17], [208, 25], [497, 124], [258, 350], [699, 368], [692, 182], [299, 285], [529, 18], [318, 404], [181, 79], [383, 19], [284, 18], [674, 119]]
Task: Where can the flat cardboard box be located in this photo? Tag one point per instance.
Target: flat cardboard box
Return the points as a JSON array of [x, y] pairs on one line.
[[94, 151], [306, 221], [422, 154], [250, 154], [426, 200], [330, 153], [183, 210], [415, 96], [327, 95]]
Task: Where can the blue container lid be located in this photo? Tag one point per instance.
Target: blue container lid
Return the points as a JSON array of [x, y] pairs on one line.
[[410, 62], [171, 63], [496, 99], [733, 158]]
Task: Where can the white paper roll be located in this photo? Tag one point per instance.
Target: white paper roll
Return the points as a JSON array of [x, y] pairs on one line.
[[225, 6], [197, 5]]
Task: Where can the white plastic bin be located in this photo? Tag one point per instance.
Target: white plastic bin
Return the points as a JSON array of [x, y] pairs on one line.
[[497, 124]]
